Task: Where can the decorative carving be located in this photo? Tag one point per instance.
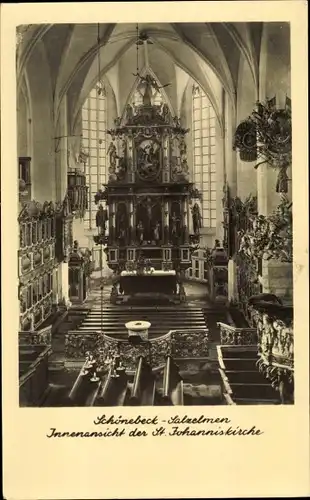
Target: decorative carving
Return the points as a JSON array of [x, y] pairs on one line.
[[101, 219], [190, 343], [42, 337], [245, 140], [77, 193], [274, 324], [269, 237], [36, 262], [230, 335], [197, 220], [220, 281], [267, 134], [154, 148], [148, 160], [77, 344], [179, 343]]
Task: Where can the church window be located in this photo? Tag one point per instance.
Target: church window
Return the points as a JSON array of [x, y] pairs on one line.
[[94, 125], [204, 154]]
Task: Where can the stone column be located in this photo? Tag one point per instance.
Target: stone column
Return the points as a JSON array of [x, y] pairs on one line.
[[131, 221], [166, 158], [277, 277], [166, 221], [131, 166], [188, 217], [220, 179], [61, 171], [230, 163], [185, 219], [112, 223]]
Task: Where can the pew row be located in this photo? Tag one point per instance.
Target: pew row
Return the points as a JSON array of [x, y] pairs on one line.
[[144, 385], [172, 384]]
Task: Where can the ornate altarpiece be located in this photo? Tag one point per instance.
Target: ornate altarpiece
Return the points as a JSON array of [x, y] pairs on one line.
[[148, 192]]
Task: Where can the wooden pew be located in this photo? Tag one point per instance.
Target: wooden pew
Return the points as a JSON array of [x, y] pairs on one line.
[[172, 384], [143, 389], [33, 370], [84, 391], [113, 389]]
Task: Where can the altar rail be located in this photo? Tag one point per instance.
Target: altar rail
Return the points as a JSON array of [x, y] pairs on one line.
[[181, 344], [37, 337], [34, 381], [231, 335]]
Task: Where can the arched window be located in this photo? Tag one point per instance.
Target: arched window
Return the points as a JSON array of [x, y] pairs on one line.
[[94, 126], [204, 154]]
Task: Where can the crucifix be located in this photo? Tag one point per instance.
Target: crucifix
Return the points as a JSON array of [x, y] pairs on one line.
[[174, 226]]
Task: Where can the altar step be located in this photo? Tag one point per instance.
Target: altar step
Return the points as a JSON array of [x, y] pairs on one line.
[[163, 319]]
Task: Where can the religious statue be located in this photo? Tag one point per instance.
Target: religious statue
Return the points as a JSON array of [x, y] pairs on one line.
[[174, 225], [140, 232], [165, 113], [101, 219], [117, 121], [149, 84], [282, 180], [176, 121], [182, 148], [120, 170], [129, 112], [122, 229], [75, 246], [156, 232], [113, 156], [196, 218]]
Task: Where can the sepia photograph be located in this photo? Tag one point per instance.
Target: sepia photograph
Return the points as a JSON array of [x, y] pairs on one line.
[[155, 216]]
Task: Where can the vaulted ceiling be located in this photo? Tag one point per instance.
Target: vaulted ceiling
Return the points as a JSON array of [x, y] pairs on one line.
[[209, 53]]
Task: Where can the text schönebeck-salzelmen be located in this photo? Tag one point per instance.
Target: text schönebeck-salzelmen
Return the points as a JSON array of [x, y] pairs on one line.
[[176, 427]]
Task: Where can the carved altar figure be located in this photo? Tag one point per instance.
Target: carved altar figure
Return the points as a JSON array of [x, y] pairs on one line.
[[174, 225], [156, 232], [282, 180], [182, 148], [112, 155], [129, 112], [147, 97], [120, 169], [196, 218], [165, 113], [101, 219], [122, 229], [140, 232], [176, 121]]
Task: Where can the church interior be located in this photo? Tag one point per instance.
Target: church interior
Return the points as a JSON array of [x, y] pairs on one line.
[[155, 214]]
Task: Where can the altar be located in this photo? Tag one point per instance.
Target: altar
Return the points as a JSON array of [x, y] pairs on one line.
[[145, 208], [153, 282]]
